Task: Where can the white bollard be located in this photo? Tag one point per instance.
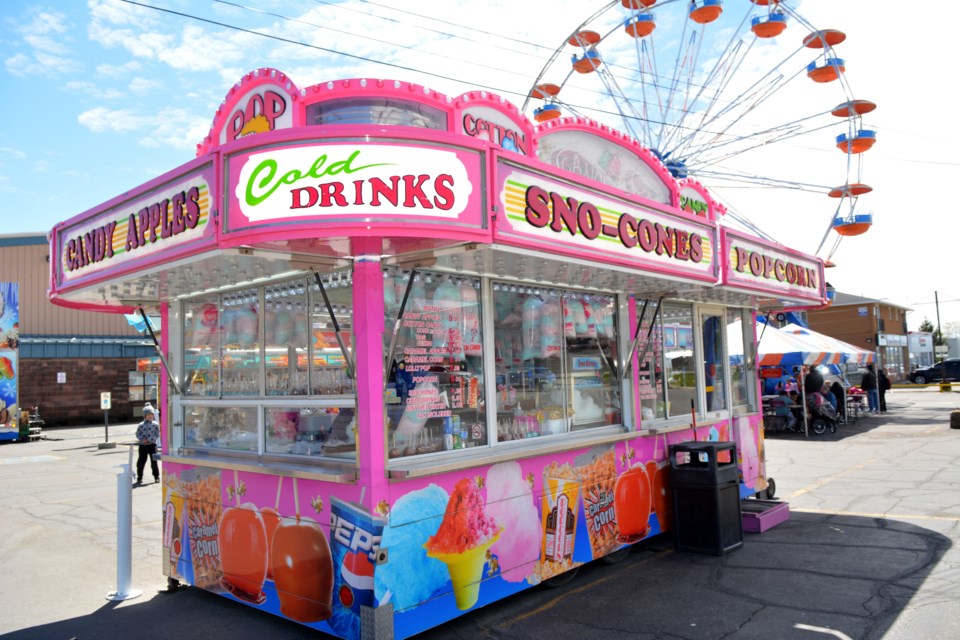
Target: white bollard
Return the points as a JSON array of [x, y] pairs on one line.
[[125, 533]]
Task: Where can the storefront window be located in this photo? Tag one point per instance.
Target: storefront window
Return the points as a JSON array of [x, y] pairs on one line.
[[285, 337], [388, 111], [241, 342], [251, 346], [329, 375], [434, 396], [557, 361], [713, 327], [311, 431], [233, 428], [679, 359], [740, 351], [649, 351], [201, 346]]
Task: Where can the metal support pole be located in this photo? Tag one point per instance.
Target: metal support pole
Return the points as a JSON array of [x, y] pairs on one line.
[[125, 533], [106, 444]]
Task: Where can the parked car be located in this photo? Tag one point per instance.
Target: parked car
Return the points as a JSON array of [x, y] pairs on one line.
[[935, 373]]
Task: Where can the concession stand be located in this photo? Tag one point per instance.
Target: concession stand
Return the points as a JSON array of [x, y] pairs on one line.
[[420, 354]]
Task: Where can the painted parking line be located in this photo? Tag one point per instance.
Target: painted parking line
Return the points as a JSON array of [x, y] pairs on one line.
[[824, 630], [829, 479]]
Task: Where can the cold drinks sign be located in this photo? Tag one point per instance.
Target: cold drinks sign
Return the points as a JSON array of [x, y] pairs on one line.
[[339, 180]]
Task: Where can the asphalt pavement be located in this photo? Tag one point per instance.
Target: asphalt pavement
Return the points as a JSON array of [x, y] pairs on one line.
[[869, 552]]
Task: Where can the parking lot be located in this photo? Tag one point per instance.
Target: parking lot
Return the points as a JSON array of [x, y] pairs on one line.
[[868, 552]]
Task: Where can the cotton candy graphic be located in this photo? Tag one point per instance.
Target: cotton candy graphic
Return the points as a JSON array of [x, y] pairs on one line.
[[510, 502], [449, 339], [410, 577], [551, 328], [532, 308], [471, 320]]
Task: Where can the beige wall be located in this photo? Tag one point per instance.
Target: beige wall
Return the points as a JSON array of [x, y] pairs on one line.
[[27, 265]]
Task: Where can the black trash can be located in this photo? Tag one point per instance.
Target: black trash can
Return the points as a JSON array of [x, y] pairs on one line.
[[706, 496]]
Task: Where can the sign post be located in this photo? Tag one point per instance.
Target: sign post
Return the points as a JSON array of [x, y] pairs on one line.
[[105, 405]]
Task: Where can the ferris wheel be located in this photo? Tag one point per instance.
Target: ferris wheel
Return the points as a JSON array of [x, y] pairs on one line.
[[706, 85]]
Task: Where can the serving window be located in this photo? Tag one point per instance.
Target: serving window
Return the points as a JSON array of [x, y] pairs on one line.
[[551, 355], [246, 351], [435, 385], [698, 359]]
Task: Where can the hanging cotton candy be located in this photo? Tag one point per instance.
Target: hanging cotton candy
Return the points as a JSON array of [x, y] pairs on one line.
[[247, 324], [411, 577], [205, 326], [282, 327], [603, 318], [569, 318], [472, 345], [551, 328], [591, 331], [510, 502], [579, 316], [532, 308], [229, 319], [449, 339]]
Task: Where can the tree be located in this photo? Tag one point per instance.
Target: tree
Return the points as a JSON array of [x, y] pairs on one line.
[[952, 329], [926, 326]]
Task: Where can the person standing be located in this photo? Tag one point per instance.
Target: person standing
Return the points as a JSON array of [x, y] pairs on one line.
[[148, 432], [883, 385], [869, 384]]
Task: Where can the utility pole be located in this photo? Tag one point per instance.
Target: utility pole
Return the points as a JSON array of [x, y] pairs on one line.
[[943, 361]]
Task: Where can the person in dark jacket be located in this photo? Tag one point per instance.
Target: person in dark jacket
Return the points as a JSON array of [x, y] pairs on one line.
[[841, 397], [883, 385], [869, 384], [813, 382]]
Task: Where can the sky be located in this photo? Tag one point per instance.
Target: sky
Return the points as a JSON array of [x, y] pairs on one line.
[[100, 96]]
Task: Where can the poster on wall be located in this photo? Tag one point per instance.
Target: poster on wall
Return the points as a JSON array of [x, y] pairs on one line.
[[9, 349]]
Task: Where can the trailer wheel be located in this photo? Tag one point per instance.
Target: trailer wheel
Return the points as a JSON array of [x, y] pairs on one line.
[[617, 556], [562, 579], [771, 489]]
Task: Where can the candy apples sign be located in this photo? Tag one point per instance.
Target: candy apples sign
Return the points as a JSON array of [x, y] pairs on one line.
[[351, 180], [157, 220]]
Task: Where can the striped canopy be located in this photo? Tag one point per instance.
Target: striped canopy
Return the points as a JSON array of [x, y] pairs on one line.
[[849, 352]]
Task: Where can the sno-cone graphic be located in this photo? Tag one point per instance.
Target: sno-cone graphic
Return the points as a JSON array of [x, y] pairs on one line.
[[466, 570]]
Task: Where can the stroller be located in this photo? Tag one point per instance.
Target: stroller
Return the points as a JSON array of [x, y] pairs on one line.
[[821, 413]]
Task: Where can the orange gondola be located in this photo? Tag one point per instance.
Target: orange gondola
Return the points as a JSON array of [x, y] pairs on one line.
[[769, 27], [548, 111], [853, 225], [589, 61], [705, 11], [828, 72], [640, 25], [824, 38], [545, 90], [860, 142], [829, 264], [853, 108], [850, 190], [585, 38], [633, 5]]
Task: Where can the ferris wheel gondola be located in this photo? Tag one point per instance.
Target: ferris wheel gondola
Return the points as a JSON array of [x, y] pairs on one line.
[[707, 91]]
